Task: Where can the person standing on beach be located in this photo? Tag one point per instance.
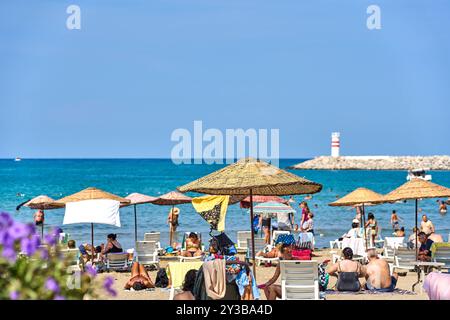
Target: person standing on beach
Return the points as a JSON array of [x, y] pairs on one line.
[[264, 224], [395, 220], [426, 225], [172, 221], [305, 212], [372, 227], [39, 217]]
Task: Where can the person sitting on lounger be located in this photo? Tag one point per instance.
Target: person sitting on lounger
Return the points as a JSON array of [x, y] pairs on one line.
[[193, 246], [87, 251], [273, 253], [140, 279], [188, 286], [112, 245], [71, 244], [347, 271], [272, 290], [400, 232], [378, 277], [425, 247]]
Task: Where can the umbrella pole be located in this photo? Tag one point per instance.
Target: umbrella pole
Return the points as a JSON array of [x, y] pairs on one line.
[[253, 234], [92, 242], [364, 223], [135, 224], [417, 234], [171, 226], [42, 227]]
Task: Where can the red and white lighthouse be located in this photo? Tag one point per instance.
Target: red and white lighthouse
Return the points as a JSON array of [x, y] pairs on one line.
[[335, 144]]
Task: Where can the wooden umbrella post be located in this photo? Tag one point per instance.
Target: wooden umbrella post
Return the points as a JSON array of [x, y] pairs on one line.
[[171, 226], [92, 242], [364, 223], [253, 234], [417, 234], [135, 225]]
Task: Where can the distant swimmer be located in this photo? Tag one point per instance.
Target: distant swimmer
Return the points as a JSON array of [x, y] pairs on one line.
[[308, 197], [442, 207], [20, 194]]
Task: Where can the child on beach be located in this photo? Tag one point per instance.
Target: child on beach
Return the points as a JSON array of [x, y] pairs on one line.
[[395, 220]]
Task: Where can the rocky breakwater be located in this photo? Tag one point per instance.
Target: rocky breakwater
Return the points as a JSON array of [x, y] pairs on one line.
[[376, 163]]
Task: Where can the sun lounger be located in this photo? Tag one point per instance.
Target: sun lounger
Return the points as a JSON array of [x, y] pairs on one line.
[[276, 234], [336, 244], [117, 261], [260, 245], [147, 253], [390, 244], [442, 254], [154, 236], [73, 257], [404, 259], [242, 237], [299, 280]]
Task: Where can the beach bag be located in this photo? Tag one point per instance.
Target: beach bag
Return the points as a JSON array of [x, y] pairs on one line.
[[301, 254], [324, 277], [348, 281], [162, 281]]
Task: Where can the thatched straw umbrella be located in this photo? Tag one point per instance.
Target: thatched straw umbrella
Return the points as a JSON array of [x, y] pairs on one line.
[[416, 189], [360, 197], [252, 177], [172, 198], [43, 203], [136, 199], [91, 194]]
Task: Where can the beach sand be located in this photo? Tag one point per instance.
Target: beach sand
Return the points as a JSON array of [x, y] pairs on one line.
[[263, 275]]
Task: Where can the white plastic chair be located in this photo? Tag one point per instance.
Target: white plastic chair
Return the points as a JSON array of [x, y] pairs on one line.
[[404, 259], [117, 261], [154, 236], [242, 237], [147, 253], [277, 233], [299, 280], [260, 245]]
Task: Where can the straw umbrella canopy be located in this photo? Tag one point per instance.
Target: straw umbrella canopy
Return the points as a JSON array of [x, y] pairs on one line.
[[416, 189], [92, 193], [360, 197], [43, 203], [172, 198], [136, 199], [252, 177]]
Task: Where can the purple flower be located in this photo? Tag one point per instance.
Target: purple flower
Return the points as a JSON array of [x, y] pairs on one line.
[[50, 239], [18, 230], [29, 245], [108, 286], [14, 295], [52, 285], [91, 270], [9, 254], [5, 221], [59, 297], [44, 253]]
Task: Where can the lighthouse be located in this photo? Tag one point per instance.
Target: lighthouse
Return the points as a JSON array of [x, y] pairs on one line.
[[335, 144]]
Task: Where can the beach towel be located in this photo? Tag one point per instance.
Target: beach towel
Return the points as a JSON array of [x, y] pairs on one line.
[[356, 244], [93, 211], [242, 281], [305, 240], [176, 271], [213, 209], [437, 286], [214, 277], [437, 245]]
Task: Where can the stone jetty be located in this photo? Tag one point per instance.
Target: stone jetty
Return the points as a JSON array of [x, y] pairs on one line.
[[376, 163]]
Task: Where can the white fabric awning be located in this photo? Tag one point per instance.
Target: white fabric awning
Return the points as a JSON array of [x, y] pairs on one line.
[[101, 211]]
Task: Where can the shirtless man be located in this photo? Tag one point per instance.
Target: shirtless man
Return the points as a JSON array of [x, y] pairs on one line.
[[426, 225], [272, 290], [139, 278], [377, 272]]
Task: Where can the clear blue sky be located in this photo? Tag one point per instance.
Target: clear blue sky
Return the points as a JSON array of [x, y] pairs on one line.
[[139, 69]]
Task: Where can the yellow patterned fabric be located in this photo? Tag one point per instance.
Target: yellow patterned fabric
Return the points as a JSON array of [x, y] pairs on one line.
[[213, 209]]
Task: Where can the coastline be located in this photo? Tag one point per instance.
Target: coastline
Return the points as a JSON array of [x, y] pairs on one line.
[[392, 163]]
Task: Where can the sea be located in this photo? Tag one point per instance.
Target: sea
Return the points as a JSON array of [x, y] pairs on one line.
[[20, 181]]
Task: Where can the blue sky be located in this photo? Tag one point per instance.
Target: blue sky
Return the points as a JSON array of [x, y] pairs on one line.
[[137, 70]]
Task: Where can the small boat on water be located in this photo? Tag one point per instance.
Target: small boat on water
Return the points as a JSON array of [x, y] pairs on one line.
[[418, 173], [17, 159]]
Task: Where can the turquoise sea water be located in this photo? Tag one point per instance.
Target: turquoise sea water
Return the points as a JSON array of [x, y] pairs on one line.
[[58, 178]]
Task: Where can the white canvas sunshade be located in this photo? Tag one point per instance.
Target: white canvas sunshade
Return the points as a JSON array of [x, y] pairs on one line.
[[93, 211]]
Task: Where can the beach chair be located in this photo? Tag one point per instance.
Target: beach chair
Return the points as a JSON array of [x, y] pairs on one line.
[[146, 253], [154, 236], [276, 234], [336, 244], [117, 262], [73, 258], [299, 280], [242, 237], [404, 259], [260, 245], [442, 254], [390, 244]]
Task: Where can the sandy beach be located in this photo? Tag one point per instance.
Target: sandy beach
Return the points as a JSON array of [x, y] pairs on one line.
[[263, 275]]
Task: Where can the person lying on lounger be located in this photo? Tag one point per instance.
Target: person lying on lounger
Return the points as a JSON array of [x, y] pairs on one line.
[[193, 246], [140, 279], [273, 253], [188, 286], [272, 290], [377, 274]]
